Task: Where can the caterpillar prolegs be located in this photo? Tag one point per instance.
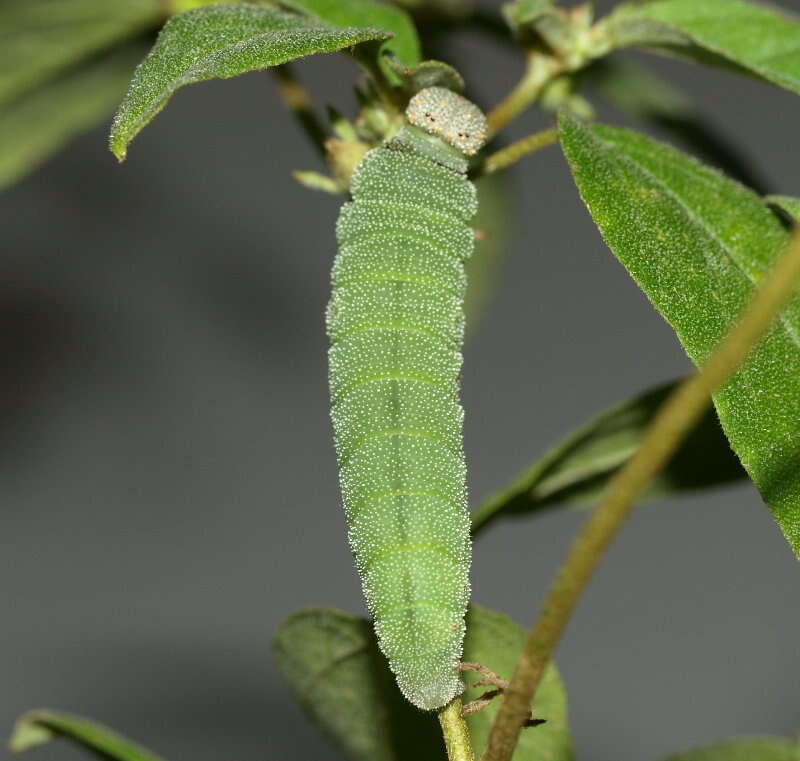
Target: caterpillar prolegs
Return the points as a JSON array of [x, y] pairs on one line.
[[396, 323]]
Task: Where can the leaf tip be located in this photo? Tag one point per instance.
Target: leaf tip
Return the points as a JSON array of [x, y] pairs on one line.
[[29, 733], [566, 118], [118, 147]]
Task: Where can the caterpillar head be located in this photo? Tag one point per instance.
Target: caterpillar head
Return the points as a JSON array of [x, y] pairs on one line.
[[450, 117]]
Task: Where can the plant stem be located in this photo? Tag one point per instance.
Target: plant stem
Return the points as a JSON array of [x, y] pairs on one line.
[[511, 154], [456, 732], [538, 72], [298, 100], [672, 423], [392, 98]]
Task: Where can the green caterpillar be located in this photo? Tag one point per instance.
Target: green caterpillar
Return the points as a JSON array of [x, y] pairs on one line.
[[396, 323]]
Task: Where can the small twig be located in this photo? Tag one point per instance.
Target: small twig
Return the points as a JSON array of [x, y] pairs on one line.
[[298, 100], [672, 423], [456, 732], [538, 72], [480, 703], [490, 679], [317, 181], [392, 98], [511, 154]]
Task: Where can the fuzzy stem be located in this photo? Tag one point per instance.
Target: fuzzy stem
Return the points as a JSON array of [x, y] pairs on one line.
[[672, 423], [298, 100], [538, 72], [456, 732], [511, 154]]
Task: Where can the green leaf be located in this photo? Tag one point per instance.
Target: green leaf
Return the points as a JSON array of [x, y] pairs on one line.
[[578, 469], [522, 13], [335, 670], [495, 641], [750, 749], [181, 6], [789, 204], [81, 98], [425, 74], [367, 13], [639, 92], [39, 39], [41, 726], [746, 36], [698, 244], [221, 41]]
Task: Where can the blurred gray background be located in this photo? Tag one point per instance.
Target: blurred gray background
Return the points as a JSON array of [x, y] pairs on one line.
[[167, 480]]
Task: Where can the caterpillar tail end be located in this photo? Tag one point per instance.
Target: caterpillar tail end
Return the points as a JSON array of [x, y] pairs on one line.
[[435, 690], [428, 680]]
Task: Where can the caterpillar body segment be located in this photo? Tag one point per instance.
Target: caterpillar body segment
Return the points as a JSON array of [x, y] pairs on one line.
[[396, 323]]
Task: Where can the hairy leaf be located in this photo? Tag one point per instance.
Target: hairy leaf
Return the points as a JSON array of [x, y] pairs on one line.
[[218, 42], [732, 33], [41, 726], [578, 469], [82, 98], [425, 74], [39, 39], [749, 749], [641, 93], [367, 13], [496, 641], [181, 6], [699, 244], [335, 670], [789, 204]]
